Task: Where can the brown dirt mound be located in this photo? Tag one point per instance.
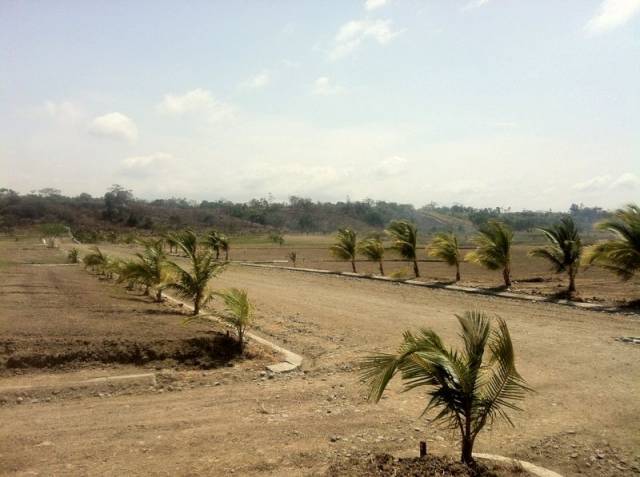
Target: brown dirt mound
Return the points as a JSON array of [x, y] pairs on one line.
[[201, 352], [385, 465]]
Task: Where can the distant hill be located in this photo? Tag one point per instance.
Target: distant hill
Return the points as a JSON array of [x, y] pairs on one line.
[[119, 212]]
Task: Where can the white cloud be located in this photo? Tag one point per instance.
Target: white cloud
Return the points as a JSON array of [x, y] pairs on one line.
[[593, 184], [354, 33], [259, 81], [192, 101], [116, 126], [197, 101], [64, 111], [389, 167], [612, 14], [474, 4], [324, 87], [626, 181], [144, 166], [373, 4]]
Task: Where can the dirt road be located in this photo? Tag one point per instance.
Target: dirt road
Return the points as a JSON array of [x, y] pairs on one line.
[[587, 385]]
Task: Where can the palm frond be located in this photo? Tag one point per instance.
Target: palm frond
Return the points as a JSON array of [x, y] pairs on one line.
[[565, 245], [371, 248], [405, 238], [493, 246], [621, 254], [445, 247], [345, 246]]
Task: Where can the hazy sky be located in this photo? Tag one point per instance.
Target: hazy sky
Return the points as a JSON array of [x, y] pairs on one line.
[[530, 104]]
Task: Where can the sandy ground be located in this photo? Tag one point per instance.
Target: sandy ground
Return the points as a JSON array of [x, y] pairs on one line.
[[583, 419]]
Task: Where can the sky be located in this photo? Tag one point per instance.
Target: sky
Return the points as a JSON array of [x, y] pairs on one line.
[[521, 104]]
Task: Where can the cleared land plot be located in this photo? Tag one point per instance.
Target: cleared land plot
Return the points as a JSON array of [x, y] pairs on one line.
[[54, 315], [530, 275], [299, 423]]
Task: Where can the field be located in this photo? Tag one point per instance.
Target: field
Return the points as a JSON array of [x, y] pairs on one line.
[[530, 275], [225, 415]]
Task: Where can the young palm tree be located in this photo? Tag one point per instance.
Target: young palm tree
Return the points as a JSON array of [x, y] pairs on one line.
[[150, 268], [97, 261], [192, 282], [239, 311], [405, 241], [445, 247], [213, 240], [345, 246], [373, 249], [621, 255], [469, 387], [564, 249], [293, 256], [494, 249], [223, 240], [72, 256]]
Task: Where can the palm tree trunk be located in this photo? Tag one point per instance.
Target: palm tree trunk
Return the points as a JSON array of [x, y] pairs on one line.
[[467, 450], [196, 303], [381, 269], [241, 340], [159, 295], [226, 256], [506, 274], [457, 272], [416, 271], [353, 266], [572, 280], [467, 441]]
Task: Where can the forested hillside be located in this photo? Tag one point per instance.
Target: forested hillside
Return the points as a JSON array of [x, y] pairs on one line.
[[119, 210]]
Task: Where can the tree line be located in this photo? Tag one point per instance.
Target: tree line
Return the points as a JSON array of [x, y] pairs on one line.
[[119, 210]]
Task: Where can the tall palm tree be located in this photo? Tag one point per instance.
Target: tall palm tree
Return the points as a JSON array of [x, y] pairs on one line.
[[494, 249], [445, 247], [345, 246], [239, 311], [621, 254], [373, 249], [213, 240], [191, 282], [564, 249], [150, 268], [469, 387], [405, 241]]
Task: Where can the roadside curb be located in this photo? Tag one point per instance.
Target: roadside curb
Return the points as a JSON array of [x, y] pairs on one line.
[[528, 466], [456, 288]]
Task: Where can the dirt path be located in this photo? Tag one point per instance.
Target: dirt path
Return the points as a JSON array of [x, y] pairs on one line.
[[587, 385]]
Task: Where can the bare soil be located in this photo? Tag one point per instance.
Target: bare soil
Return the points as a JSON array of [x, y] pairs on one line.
[[54, 315], [241, 420], [530, 275]]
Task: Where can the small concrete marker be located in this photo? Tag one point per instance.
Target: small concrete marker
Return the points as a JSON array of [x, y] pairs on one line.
[[283, 367]]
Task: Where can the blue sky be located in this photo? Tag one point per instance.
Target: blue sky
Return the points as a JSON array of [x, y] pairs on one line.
[[482, 102]]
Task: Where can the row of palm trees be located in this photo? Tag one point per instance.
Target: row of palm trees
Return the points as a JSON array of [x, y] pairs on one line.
[[152, 270], [564, 251]]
